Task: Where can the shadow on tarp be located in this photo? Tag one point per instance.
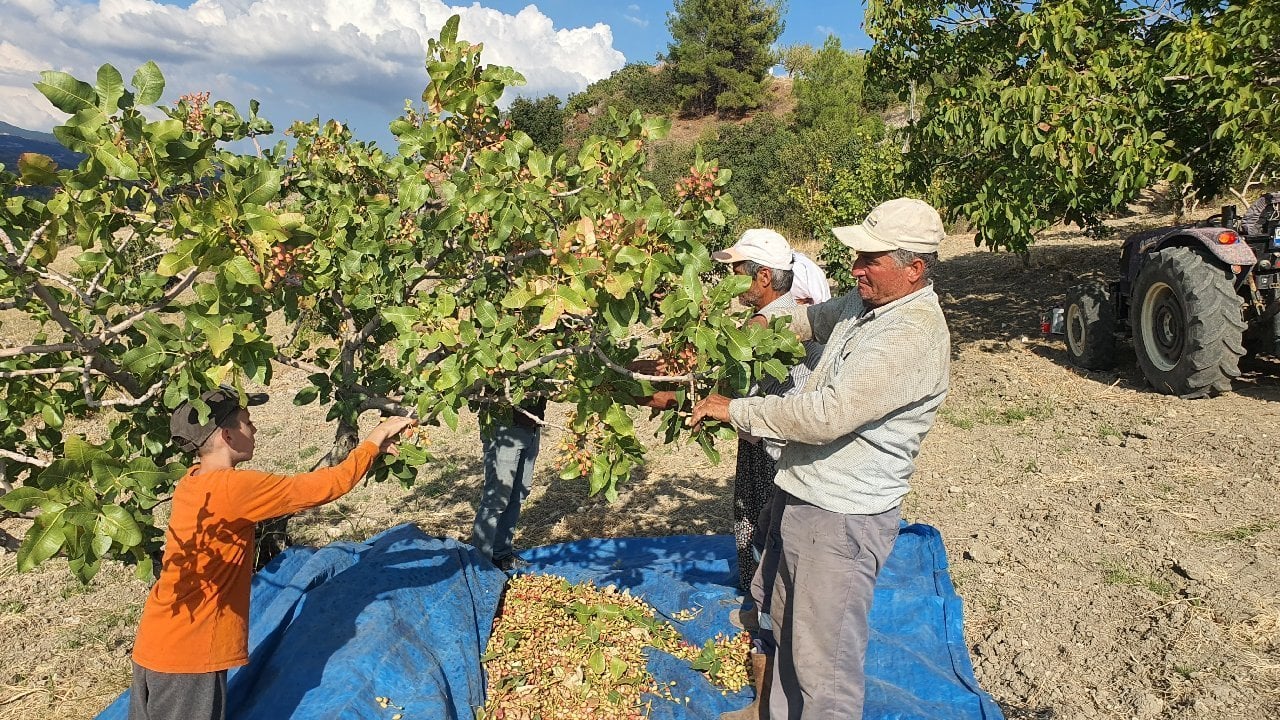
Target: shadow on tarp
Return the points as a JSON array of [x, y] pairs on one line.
[[406, 616]]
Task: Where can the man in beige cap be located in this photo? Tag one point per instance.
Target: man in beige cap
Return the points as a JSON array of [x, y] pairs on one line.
[[852, 437]]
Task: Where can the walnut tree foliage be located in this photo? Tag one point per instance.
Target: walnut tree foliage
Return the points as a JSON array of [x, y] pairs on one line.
[[1065, 110], [464, 268], [721, 52]]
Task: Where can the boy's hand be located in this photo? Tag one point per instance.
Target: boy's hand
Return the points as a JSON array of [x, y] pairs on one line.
[[384, 436]]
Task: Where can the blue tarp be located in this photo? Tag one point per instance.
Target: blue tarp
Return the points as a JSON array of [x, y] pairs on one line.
[[406, 616]]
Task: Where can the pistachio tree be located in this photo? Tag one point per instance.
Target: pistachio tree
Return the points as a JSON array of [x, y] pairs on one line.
[[464, 269], [1064, 111]]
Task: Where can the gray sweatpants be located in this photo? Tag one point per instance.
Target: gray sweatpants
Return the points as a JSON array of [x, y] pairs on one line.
[[824, 567], [177, 696]]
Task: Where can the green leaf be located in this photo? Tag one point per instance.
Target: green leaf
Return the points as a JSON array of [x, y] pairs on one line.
[[220, 338], [110, 89], [596, 662], [738, 345], [37, 169], [143, 359], [306, 395], [450, 417], [628, 255], [118, 163], [240, 271], [22, 499], [43, 541], [118, 524], [486, 314], [262, 188], [149, 82], [401, 317], [181, 258], [101, 545], [81, 452], [66, 93], [145, 570]]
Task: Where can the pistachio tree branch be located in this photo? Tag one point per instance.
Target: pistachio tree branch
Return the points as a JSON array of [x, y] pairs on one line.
[[686, 378], [65, 370], [11, 455], [115, 330], [50, 349]]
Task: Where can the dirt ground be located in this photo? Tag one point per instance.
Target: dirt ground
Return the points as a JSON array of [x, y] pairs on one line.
[[1116, 550]]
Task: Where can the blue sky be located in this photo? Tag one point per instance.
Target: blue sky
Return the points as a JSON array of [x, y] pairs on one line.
[[353, 60], [640, 27]]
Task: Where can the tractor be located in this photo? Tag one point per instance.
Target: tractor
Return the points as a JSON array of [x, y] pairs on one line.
[[1193, 299]]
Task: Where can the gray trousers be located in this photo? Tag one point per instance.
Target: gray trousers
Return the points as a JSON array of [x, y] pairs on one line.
[[817, 579], [510, 452], [177, 696]]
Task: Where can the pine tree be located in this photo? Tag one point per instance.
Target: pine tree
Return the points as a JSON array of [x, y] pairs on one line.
[[721, 53]]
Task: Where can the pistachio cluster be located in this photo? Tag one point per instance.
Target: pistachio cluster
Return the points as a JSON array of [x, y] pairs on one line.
[[561, 651]]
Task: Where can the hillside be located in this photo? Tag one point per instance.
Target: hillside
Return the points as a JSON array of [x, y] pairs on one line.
[[14, 141]]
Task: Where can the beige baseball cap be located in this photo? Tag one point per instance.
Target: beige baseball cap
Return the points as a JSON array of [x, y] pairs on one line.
[[900, 224], [761, 245], [185, 427]]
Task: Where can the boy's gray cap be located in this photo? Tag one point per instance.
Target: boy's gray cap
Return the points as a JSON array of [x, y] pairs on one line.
[[901, 224], [185, 427]]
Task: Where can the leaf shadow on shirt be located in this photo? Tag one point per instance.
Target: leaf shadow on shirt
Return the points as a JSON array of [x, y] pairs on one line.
[[201, 571]]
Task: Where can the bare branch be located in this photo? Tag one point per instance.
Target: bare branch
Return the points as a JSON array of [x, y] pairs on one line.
[[38, 350], [544, 252], [11, 455], [33, 241], [374, 323], [530, 365], [8, 374], [386, 406], [568, 193], [131, 402], [688, 378], [175, 291]]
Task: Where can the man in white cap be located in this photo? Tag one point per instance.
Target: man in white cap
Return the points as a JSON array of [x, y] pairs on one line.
[[852, 437]]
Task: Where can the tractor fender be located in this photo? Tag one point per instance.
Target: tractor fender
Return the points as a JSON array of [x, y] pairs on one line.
[[1237, 253]]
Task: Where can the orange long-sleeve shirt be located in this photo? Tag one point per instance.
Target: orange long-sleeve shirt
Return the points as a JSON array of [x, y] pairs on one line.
[[196, 618]]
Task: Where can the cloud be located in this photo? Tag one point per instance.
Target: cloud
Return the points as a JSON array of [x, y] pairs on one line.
[[636, 21], [352, 60], [826, 30]]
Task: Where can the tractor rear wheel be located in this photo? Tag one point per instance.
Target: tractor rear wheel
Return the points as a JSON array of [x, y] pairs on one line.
[[1187, 323], [1091, 327]]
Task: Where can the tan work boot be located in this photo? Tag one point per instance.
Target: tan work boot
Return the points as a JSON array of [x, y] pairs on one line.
[[761, 670]]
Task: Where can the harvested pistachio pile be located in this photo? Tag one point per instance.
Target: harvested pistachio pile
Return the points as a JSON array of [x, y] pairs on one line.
[[561, 651]]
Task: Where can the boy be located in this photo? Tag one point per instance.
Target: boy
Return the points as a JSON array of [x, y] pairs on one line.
[[195, 623]]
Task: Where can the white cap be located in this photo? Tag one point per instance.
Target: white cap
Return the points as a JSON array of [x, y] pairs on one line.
[[809, 282], [760, 245], [901, 224]]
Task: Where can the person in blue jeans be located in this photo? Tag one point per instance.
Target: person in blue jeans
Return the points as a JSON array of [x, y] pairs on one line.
[[510, 452]]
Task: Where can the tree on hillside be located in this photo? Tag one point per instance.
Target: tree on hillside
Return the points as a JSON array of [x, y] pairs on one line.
[[1066, 110], [828, 90], [721, 53], [541, 119], [795, 58]]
